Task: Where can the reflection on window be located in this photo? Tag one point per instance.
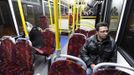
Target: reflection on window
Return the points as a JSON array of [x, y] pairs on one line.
[[115, 13], [128, 39]]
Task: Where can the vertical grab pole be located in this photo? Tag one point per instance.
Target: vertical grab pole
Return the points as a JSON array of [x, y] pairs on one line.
[[74, 15], [77, 14], [69, 14], [56, 24], [14, 17], [60, 15], [50, 11], [22, 18]]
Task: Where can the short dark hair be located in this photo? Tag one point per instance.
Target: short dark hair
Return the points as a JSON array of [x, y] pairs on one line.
[[100, 25]]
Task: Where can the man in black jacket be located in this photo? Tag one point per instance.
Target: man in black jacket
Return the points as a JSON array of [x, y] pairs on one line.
[[99, 48]]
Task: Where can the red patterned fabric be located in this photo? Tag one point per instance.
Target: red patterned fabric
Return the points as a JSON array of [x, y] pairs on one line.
[[110, 72], [13, 60], [23, 54], [75, 43], [90, 33], [47, 51], [49, 38], [6, 50], [49, 42], [81, 31], [66, 67]]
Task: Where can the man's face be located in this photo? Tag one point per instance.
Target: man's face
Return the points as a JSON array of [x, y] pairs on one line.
[[103, 32]]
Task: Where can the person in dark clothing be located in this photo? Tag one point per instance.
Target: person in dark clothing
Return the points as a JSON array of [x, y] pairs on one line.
[[98, 48], [36, 37]]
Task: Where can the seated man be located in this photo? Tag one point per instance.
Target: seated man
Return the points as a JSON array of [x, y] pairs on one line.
[[99, 48]]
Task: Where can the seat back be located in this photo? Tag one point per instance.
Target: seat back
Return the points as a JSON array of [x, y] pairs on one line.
[[49, 37], [43, 22], [107, 69], [23, 53], [67, 67], [49, 42], [81, 31], [90, 33], [76, 41], [6, 49]]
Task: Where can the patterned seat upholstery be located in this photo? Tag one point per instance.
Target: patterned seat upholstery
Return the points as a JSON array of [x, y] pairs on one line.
[[90, 33], [76, 41], [108, 68], [6, 50], [81, 31], [9, 58], [23, 55], [49, 43], [111, 72], [66, 67]]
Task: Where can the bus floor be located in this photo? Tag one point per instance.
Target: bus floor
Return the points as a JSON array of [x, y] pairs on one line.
[[41, 65]]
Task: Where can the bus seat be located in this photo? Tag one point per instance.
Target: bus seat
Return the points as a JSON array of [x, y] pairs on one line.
[[7, 46], [107, 69], [9, 65], [6, 52], [43, 22], [81, 31], [67, 67], [23, 54], [90, 33], [76, 41], [49, 43]]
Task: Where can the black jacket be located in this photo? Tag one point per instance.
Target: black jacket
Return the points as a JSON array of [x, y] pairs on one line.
[[94, 52], [36, 37]]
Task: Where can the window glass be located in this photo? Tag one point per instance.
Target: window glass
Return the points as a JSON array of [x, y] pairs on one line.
[[47, 11], [32, 12], [128, 39], [6, 21], [115, 13]]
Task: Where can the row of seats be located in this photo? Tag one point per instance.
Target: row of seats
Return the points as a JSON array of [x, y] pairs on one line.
[[73, 67], [86, 33], [69, 66], [15, 57], [77, 40]]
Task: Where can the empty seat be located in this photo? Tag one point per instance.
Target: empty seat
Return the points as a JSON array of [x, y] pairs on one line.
[[90, 33], [67, 67], [107, 69], [49, 43], [7, 46], [6, 52], [23, 55], [76, 41], [13, 58], [81, 31]]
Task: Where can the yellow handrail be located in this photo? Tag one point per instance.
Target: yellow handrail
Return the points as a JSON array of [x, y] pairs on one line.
[[60, 16], [77, 15], [50, 10], [56, 24], [69, 13], [22, 18], [74, 11]]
